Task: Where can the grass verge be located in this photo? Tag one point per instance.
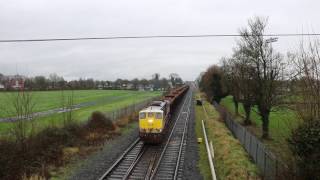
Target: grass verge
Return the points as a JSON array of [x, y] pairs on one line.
[[230, 161]]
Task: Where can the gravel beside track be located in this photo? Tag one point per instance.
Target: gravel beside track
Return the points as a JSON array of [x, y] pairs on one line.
[[190, 170], [99, 162]]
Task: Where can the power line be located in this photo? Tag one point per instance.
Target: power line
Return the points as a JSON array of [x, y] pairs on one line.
[[145, 37]]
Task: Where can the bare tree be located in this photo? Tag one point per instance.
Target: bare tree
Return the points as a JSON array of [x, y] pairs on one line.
[[175, 79], [231, 81], [23, 107], [67, 107], [267, 65], [307, 87], [241, 75], [156, 80], [55, 81], [304, 140]]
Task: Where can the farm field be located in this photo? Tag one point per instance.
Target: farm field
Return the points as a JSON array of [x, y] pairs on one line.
[[105, 100], [282, 121], [46, 100]]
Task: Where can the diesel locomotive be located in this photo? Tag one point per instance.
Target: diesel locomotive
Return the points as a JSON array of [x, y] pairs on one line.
[[154, 119]]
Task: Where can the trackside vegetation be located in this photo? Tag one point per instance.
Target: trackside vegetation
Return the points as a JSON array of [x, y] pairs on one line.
[[282, 121], [230, 159], [276, 96], [45, 154]]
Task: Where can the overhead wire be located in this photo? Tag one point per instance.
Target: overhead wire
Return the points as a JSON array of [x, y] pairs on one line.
[[148, 37]]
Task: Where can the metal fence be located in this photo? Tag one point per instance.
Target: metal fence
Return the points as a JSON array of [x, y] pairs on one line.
[[271, 167], [127, 110]]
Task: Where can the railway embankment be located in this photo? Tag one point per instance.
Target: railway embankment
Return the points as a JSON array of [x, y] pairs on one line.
[[230, 159], [95, 164], [56, 153]]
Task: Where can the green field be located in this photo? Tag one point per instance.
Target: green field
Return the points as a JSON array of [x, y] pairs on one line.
[[106, 100], [282, 121], [45, 100]]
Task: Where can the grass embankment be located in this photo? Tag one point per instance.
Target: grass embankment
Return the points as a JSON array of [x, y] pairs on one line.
[[281, 123], [230, 161], [107, 100]]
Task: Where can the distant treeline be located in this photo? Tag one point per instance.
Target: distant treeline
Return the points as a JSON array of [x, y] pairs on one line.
[[56, 82]]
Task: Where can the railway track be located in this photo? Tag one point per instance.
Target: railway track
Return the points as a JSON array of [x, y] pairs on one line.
[[170, 160], [164, 161]]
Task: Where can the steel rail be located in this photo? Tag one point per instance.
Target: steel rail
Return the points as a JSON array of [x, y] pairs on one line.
[[120, 159], [151, 165], [181, 144], [169, 138], [129, 171]]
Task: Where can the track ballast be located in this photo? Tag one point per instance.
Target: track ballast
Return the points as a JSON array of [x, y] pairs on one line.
[[163, 161]]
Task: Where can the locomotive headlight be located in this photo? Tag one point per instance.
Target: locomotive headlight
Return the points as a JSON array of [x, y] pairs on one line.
[[150, 121]]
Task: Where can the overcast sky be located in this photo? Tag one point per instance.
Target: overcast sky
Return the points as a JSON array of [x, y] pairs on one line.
[[130, 58]]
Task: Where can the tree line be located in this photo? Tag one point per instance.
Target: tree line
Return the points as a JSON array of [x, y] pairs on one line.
[[56, 82], [256, 75]]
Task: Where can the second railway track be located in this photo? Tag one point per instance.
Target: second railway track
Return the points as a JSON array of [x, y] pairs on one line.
[[163, 161]]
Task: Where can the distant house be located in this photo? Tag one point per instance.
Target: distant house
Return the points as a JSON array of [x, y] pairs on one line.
[[108, 85], [130, 86], [123, 86], [140, 87], [15, 82], [100, 86], [149, 87], [2, 87]]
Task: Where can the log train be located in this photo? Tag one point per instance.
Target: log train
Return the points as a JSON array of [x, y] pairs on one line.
[[154, 119]]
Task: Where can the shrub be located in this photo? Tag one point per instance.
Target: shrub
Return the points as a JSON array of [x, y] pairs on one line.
[[134, 117], [305, 144], [10, 164], [99, 121], [122, 122]]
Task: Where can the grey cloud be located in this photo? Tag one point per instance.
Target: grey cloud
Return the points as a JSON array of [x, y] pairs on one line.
[[137, 58]]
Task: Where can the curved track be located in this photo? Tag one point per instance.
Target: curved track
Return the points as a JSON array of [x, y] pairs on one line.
[[164, 161]]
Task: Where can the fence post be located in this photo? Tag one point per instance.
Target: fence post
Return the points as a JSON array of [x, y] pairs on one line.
[[265, 162], [257, 151], [250, 144], [276, 168], [244, 138]]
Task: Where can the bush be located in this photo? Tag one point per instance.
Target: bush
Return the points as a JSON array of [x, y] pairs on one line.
[[42, 149], [305, 144], [134, 117], [99, 121], [10, 161]]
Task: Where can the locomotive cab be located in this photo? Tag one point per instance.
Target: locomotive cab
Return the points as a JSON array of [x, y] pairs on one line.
[[152, 121]]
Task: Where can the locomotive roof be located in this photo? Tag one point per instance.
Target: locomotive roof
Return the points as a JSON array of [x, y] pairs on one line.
[[152, 109], [155, 106], [158, 103]]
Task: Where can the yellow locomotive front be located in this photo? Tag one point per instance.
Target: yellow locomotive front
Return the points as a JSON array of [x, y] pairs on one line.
[[152, 122]]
